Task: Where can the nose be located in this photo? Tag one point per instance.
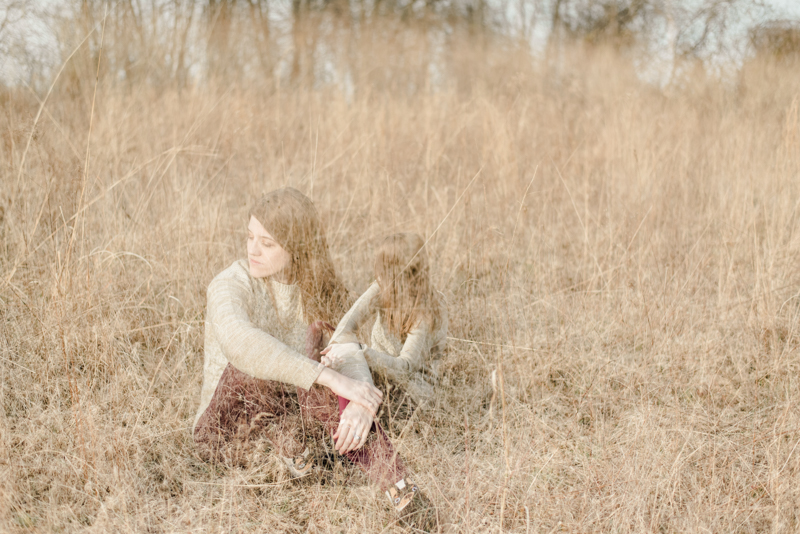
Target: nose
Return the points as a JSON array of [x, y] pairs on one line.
[[253, 249]]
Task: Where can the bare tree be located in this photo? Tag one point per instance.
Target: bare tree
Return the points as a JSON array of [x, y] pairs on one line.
[[776, 38]]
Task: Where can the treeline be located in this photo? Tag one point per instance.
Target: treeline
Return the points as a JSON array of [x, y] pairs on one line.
[[323, 41]]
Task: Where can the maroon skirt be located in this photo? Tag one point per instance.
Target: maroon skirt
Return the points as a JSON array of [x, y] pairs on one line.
[[245, 409]]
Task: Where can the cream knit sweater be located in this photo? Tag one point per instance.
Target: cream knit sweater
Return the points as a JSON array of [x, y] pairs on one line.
[[413, 364], [258, 326]]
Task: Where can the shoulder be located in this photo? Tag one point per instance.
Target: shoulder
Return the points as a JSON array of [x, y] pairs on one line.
[[236, 276], [235, 271]]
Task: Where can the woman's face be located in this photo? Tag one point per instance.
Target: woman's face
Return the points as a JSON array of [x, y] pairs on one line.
[[266, 256]]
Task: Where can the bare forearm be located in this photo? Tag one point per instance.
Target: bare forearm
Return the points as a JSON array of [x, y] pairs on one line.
[[353, 390], [328, 378]]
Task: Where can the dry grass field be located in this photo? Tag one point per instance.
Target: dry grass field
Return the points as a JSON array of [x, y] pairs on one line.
[[624, 260]]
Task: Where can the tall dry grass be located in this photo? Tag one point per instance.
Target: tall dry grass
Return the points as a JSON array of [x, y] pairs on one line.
[[622, 259]]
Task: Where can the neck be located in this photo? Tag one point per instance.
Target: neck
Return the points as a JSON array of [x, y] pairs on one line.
[[282, 277]]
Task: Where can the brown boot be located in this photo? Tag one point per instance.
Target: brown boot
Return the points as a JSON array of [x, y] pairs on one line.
[[402, 493]]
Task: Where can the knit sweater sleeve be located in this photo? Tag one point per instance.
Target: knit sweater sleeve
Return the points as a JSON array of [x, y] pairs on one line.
[[410, 360], [354, 365], [247, 347], [346, 330]]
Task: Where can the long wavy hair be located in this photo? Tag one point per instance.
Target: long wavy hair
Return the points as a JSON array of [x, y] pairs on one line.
[[406, 296], [291, 218]]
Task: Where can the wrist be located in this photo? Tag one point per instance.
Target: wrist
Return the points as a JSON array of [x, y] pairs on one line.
[[326, 377]]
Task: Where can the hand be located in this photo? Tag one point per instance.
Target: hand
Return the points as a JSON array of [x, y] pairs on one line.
[[355, 424], [333, 355], [353, 390]]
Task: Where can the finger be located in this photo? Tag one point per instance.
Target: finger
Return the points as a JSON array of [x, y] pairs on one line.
[[365, 401], [348, 445], [373, 410], [362, 437], [339, 436], [326, 350], [352, 443], [363, 434], [344, 438], [341, 429], [371, 406], [372, 392], [375, 401], [349, 439], [375, 391], [341, 432]]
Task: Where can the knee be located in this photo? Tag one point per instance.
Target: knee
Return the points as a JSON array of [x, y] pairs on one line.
[[316, 338], [318, 328], [315, 330]]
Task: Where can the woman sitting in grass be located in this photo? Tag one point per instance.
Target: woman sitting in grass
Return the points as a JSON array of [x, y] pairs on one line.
[[266, 322], [410, 330]]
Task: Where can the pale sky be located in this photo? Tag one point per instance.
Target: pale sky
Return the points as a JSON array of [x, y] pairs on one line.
[[791, 8]]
